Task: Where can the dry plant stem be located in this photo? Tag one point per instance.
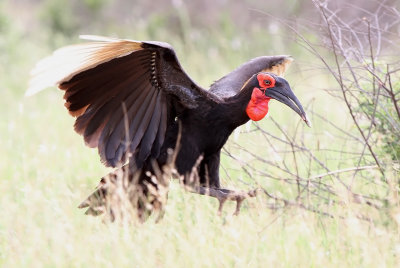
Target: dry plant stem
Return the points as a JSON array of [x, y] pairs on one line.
[[264, 174], [376, 101], [223, 195], [371, 49], [365, 88], [288, 203], [304, 182], [343, 170], [368, 136], [347, 133], [340, 80], [392, 94]]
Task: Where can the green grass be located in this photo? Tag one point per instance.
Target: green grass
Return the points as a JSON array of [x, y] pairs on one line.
[[45, 171]]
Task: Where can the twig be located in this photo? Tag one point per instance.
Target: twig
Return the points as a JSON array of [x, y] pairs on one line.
[[342, 170]]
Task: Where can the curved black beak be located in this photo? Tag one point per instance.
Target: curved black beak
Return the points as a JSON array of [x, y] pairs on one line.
[[283, 93]]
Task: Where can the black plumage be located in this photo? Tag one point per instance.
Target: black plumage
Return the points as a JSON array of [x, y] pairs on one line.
[[133, 100]]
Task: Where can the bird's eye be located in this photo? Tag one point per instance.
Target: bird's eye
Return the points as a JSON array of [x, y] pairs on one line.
[[265, 80]]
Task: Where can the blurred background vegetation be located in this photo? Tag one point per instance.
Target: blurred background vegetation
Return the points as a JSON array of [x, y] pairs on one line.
[[313, 213]]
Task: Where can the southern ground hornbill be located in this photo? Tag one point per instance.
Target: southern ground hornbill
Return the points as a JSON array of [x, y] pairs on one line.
[[134, 102]]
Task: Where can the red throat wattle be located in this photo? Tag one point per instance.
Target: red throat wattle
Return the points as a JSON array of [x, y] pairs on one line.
[[257, 108]]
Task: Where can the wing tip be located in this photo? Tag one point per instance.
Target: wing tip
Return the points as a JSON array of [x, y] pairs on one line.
[[34, 89], [49, 71], [91, 37], [31, 91]]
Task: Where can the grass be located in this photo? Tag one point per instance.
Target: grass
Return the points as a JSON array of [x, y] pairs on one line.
[[46, 171], [41, 227]]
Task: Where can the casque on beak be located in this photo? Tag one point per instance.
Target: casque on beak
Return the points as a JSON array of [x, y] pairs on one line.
[[283, 93]]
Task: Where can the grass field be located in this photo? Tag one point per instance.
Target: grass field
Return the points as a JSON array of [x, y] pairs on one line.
[[46, 171]]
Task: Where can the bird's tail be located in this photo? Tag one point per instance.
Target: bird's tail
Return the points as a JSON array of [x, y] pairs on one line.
[[125, 195]]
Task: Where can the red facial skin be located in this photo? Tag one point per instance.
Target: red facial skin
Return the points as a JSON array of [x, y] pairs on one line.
[[257, 108]]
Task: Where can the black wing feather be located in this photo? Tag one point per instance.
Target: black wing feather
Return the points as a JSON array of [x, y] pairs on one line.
[[147, 79], [155, 150], [151, 133], [115, 147], [114, 134]]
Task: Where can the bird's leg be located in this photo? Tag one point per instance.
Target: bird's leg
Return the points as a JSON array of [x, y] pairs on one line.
[[223, 195]]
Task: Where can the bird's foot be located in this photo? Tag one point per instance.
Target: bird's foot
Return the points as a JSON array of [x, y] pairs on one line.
[[223, 195]]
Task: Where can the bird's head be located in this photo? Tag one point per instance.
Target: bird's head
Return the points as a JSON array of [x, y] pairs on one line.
[[267, 86]]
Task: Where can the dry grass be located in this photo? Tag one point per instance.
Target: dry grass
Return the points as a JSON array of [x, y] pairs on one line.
[[46, 172]]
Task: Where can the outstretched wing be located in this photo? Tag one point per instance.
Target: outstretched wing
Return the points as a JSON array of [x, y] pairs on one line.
[[232, 83], [124, 93]]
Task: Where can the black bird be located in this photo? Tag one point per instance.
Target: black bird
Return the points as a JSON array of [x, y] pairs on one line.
[[134, 102]]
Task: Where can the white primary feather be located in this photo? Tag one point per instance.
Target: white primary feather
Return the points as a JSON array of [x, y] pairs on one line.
[[68, 61]]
